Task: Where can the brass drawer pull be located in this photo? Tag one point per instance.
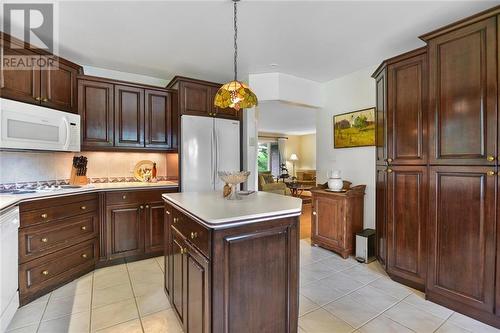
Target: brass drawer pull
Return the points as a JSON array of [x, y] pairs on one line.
[[44, 240], [38, 98], [147, 206], [45, 272], [176, 219], [141, 207], [490, 173], [44, 215], [124, 197], [389, 170], [314, 213], [84, 256], [83, 207], [45, 99], [83, 228], [168, 213], [389, 160], [194, 235], [490, 158], [184, 251]]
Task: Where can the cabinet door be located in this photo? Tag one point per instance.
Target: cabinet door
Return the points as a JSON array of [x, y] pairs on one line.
[[178, 268], [167, 243], [381, 215], [95, 107], [196, 99], [461, 237], [59, 88], [129, 116], [20, 85], [380, 117], [328, 226], [228, 113], [197, 292], [154, 227], [463, 95], [407, 111], [125, 230], [406, 220], [158, 119]]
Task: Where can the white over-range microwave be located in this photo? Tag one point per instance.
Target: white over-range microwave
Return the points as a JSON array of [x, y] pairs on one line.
[[33, 127]]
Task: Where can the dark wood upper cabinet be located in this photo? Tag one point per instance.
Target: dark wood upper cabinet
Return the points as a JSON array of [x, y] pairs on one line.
[[129, 116], [463, 95], [95, 106], [406, 221], [54, 88], [158, 119], [461, 237], [20, 85], [381, 214], [196, 98], [407, 109], [59, 87]]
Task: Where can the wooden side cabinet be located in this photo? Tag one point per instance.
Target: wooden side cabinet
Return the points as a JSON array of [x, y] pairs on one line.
[[336, 218]]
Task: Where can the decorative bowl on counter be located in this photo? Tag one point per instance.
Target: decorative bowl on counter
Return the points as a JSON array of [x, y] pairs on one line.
[[233, 179]]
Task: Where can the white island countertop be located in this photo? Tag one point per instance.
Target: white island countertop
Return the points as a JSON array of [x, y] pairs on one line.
[[216, 212], [7, 200]]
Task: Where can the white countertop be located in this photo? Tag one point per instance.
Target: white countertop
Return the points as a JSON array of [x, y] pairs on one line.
[[216, 212], [7, 200]]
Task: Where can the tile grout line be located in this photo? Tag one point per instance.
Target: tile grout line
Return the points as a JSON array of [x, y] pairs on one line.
[[91, 300], [43, 313], [444, 322], [135, 298]]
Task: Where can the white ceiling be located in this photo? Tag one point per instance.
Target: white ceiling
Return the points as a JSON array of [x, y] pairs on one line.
[[286, 118], [310, 39]]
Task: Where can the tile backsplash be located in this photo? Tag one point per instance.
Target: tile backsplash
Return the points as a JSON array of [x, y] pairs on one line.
[[18, 167]]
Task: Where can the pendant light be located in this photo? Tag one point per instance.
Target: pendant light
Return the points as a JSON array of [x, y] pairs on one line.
[[235, 94]]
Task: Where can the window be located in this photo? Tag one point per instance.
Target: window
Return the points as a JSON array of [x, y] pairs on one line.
[[263, 157]]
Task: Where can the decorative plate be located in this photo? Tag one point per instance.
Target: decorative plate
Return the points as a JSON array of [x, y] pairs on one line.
[[143, 170]]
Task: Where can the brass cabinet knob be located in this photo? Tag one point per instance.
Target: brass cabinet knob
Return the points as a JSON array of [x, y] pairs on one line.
[[314, 213], [147, 206], [44, 216], [141, 207], [389, 170], [194, 235], [124, 197], [45, 272], [45, 99], [182, 251], [44, 240], [166, 211], [389, 160], [176, 219], [38, 98], [84, 255], [83, 228], [490, 158], [83, 207], [490, 173]]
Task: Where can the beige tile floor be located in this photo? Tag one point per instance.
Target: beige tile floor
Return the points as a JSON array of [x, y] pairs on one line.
[[336, 296]]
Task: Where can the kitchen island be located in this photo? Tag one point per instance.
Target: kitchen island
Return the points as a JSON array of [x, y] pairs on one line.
[[233, 266]]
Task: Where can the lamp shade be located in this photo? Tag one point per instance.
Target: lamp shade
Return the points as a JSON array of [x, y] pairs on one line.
[[236, 95], [294, 157]]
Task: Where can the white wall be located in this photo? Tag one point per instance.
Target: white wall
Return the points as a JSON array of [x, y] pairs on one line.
[[249, 146], [348, 93], [307, 155], [124, 76]]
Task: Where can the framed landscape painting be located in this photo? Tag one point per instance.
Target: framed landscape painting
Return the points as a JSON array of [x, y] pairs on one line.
[[354, 129]]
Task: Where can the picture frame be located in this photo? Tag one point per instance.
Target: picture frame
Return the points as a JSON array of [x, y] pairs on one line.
[[354, 129]]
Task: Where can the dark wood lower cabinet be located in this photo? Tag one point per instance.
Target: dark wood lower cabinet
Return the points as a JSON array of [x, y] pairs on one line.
[[155, 221], [381, 214], [125, 230], [246, 282], [462, 240], [406, 220]]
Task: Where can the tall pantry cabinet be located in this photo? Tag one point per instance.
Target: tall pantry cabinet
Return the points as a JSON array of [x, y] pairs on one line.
[[437, 167]]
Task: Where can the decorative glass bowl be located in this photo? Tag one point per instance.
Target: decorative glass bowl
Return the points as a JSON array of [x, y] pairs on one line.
[[233, 179]]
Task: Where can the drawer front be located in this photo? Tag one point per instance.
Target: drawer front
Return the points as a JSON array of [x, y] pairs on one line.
[[43, 275], [57, 212], [41, 239], [55, 201], [194, 232], [137, 196]]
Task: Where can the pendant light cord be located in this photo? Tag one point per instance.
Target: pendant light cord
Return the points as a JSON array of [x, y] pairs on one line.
[[235, 40]]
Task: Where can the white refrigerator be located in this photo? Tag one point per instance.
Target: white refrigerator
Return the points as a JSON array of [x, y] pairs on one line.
[[208, 145]]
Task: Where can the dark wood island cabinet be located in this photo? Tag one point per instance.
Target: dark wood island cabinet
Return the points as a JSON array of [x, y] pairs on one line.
[[232, 266]]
